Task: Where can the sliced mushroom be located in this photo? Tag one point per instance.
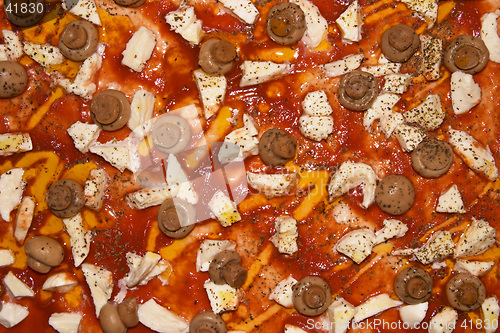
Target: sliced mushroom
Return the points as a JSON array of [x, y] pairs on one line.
[[127, 310], [110, 319], [130, 3], [207, 322], [286, 23], [110, 109], [65, 198], [171, 134], [357, 90], [432, 158], [399, 43], [78, 40], [176, 218], [395, 194], [276, 147], [466, 53], [413, 285], [13, 79], [465, 292], [24, 13], [225, 267], [311, 296], [217, 56], [43, 253]]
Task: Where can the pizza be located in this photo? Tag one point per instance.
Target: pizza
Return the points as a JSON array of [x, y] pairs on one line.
[[249, 166]]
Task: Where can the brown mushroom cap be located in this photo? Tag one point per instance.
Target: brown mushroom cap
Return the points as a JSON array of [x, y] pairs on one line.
[[395, 194], [65, 198], [172, 214], [466, 53], [171, 134], [207, 322], [286, 23], [357, 90], [26, 17], [432, 158], [110, 319], [276, 147], [399, 43], [110, 109], [225, 267], [78, 40], [465, 292], [217, 56], [130, 3], [13, 79], [127, 310], [413, 285], [311, 296], [43, 253]]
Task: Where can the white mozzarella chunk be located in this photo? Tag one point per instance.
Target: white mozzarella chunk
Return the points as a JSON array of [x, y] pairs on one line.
[[12, 314], [392, 228], [357, 244], [396, 83], [224, 210], [208, 250], [412, 315], [255, 72], [473, 153], [245, 137], [60, 282], [432, 54], [476, 239], [381, 107], [428, 9], [145, 268], [477, 268], [343, 66], [141, 108], [222, 297], [212, 90], [293, 329], [350, 23], [489, 34], [11, 191], [350, 175], [13, 45], [79, 239], [490, 310], [438, 247], [286, 235], [94, 189], [283, 292], [3, 53], [11, 143], [316, 24], [148, 197], [177, 177], [160, 319], [439, 265], [373, 306], [184, 22], [383, 69], [409, 136], [139, 49], [273, 185], [24, 218], [17, 287], [444, 321], [66, 322], [340, 314], [429, 114], [100, 282], [86, 9], [390, 121], [244, 9], [6, 257], [83, 135], [44, 54], [115, 153], [450, 201], [316, 128], [316, 103], [465, 93]]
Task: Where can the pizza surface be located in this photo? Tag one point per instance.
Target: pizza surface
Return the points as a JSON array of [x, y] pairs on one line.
[[324, 191]]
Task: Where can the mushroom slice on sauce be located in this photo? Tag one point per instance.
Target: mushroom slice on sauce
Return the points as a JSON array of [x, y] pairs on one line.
[[176, 218], [311, 296], [465, 292], [276, 147], [78, 40], [110, 319], [110, 109], [43, 253], [395, 194], [432, 158], [357, 90], [217, 56], [399, 43], [286, 23], [225, 267], [171, 134], [127, 310], [65, 198], [13, 79], [207, 322], [413, 285], [466, 53]]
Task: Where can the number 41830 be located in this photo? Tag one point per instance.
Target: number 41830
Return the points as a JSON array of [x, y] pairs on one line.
[[24, 7], [480, 323]]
